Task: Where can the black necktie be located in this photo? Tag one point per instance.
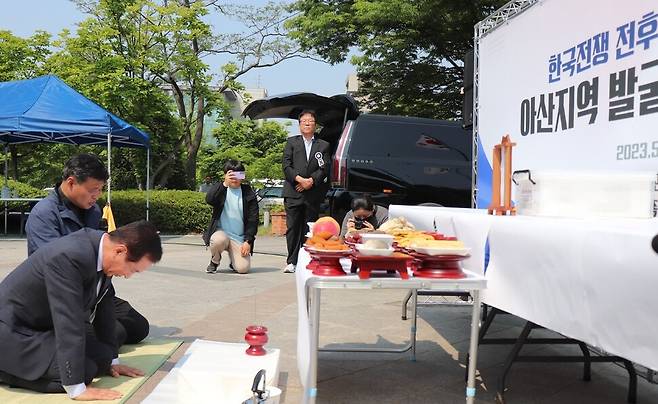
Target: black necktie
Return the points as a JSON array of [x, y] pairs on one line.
[[100, 280]]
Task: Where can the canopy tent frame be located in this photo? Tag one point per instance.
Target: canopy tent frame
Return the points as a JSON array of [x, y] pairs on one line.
[[36, 111], [108, 141]]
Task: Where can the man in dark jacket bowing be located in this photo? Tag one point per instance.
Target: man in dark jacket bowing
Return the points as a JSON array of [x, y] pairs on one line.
[[72, 206], [234, 221], [48, 301], [306, 167]]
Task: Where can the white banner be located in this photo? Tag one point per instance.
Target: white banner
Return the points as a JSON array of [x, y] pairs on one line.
[[574, 84]]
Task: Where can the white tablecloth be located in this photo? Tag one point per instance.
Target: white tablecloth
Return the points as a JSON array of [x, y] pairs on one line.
[[303, 330], [594, 280], [215, 372]]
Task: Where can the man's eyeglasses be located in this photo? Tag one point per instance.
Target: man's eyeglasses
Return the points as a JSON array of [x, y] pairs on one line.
[[307, 121]]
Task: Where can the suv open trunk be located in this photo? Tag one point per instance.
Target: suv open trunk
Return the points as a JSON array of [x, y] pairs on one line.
[[396, 159]]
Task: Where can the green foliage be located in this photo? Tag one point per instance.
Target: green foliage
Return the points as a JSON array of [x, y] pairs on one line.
[[23, 58], [110, 61], [277, 208], [20, 190], [258, 146], [143, 60], [172, 212], [410, 51]]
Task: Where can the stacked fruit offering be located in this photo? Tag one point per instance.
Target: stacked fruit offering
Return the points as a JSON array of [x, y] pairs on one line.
[[325, 236]]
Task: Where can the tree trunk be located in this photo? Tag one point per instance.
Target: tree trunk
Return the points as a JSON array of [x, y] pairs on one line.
[[195, 144], [161, 172]]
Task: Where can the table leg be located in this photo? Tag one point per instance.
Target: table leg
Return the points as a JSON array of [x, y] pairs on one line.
[[414, 317], [405, 302], [314, 316], [473, 349]]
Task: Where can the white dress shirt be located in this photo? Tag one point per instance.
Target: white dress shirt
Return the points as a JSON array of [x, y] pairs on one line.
[[307, 145]]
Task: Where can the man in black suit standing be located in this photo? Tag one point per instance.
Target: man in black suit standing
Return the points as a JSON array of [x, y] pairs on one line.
[[48, 301], [306, 163]]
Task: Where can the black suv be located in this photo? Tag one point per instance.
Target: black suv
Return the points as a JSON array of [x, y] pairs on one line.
[[396, 159]]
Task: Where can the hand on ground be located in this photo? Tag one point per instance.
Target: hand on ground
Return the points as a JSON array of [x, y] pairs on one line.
[[93, 393], [123, 370]]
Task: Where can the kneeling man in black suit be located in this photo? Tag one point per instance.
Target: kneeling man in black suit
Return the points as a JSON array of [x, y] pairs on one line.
[[57, 315]]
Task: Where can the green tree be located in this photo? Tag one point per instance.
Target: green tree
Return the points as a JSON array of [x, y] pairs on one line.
[[166, 43], [144, 60], [258, 145], [410, 52], [21, 58]]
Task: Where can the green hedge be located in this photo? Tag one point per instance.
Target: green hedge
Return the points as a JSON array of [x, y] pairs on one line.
[[172, 212], [20, 190]]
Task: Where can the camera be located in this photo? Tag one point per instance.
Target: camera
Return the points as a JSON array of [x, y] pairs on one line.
[[359, 223]]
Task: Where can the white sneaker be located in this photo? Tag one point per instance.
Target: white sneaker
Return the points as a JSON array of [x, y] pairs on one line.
[[289, 269]]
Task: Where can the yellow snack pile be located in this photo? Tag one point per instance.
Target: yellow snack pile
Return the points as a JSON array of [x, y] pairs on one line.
[[407, 238], [438, 244]]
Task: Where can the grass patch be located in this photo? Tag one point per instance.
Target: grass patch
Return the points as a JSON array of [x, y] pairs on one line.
[[264, 231]]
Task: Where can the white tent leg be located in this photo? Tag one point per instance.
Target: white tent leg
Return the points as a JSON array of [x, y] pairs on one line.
[[6, 164], [148, 180], [6, 184], [109, 167]]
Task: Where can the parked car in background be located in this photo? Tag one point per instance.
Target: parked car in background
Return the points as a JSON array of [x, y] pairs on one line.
[[396, 159], [269, 196]]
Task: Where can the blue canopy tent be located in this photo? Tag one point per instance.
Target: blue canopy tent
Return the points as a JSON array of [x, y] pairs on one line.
[[45, 109]]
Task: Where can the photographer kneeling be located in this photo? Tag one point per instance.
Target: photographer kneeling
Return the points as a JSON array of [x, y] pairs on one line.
[[365, 215]]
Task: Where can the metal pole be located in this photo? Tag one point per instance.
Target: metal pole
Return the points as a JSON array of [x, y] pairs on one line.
[[414, 323], [6, 165], [473, 349], [6, 184], [148, 180], [314, 316], [475, 124], [109, 167]]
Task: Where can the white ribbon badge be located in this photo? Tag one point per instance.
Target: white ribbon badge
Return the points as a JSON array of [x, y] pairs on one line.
[[318, 157]]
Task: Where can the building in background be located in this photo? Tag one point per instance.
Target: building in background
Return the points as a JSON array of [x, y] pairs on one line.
[[237, 101], [352, 85]]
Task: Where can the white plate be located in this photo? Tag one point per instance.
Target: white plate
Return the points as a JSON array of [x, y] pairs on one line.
[[377, 236], [308, 235], [321, 250], [374, 251], [441, 251]]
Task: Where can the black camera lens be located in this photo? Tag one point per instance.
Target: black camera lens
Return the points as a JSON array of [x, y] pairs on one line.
[[358, 224]]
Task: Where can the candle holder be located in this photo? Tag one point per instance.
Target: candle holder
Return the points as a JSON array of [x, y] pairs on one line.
[[256, 337], [502, 155]]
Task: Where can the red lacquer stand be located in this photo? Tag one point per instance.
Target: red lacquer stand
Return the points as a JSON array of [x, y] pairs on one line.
[[256, 337], [313, 263], [327, 263], [394, 262], [438, 266]]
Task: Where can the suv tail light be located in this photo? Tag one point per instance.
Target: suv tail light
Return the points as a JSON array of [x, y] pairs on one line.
[[339, 166]]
